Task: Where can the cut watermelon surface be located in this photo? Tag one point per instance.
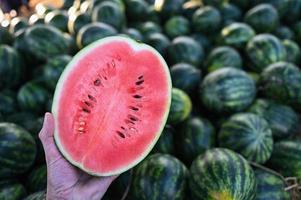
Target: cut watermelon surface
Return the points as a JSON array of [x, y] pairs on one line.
[[110, 105]]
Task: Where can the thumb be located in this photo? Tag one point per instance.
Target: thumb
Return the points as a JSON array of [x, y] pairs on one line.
[[46, 137]]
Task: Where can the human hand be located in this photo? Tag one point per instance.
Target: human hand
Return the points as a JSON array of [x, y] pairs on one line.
[[65, 181]]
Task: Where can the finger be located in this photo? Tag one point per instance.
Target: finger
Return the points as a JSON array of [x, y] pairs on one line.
[[46, 136], [48, 127]]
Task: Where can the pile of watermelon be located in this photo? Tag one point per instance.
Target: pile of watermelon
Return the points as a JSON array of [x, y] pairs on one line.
[[233, 130]]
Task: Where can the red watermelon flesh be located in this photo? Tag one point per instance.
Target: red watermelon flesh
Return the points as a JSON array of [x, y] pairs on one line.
[[110, 105]]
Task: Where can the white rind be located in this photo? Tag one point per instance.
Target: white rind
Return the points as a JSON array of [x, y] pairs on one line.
[[55, 105]]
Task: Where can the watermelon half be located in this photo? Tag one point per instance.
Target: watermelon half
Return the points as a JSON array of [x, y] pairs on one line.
[[110, 105]]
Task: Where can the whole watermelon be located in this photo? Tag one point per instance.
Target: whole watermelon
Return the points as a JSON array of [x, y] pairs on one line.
[[286, 158], [160, 176], [134, 34], [11, 67], [136, 10], [52, 70], [249, 135], [159, 41], [237, 35], [230, 13], [177, 26], [92, 32], [185, 49], [293, 7], [282, 82], [195, 136], [206, 19], [263, 18], [77, 20], [263, 50], [43, 42], [270, 186], [148, 28], [110, 13], [32, 97], [284, 32], [185, 77], [58, 19], [169, 8], [223, 56], [8, 104], [227, 90], [180, 107], [221, 174], [17, 150], [283, 120]]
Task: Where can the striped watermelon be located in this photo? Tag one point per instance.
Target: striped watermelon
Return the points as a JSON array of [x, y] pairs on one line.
[[177, 26], [185, 49], [185, 77], [134, 34], [160, 176], [110, 13], [284, 33], [159, 41], [32, 97], [227, 90], [180, 107], [17, 150], [282, 82], [263, 50], [283, 120], [206, 19], [43, 42], [249, 135], [11, 67], [195, 137], [270, 186], [77, 21], [230, 13], [92, 32], [263, 18], [168, 8], [148, 28], [286, 158], [52, 70], [221, 174], [8, 104], [237, 34], [136, 10], [58, 19], [223, 56]]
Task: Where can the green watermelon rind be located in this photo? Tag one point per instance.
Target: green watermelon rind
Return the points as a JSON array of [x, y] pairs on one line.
[[137, 47]]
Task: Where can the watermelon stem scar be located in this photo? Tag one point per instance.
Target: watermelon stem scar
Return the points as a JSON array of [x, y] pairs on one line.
[[110, 105]]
